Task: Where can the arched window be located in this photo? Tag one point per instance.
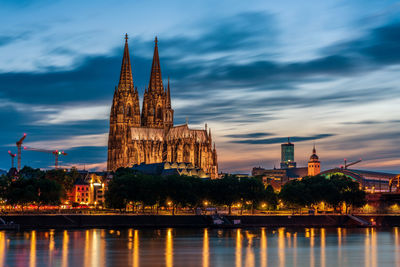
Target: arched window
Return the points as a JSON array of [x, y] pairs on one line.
[[186, 154], [129, 111], [159, 113]]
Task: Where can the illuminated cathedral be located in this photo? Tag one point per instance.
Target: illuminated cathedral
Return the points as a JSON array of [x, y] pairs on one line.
[[149, 136]]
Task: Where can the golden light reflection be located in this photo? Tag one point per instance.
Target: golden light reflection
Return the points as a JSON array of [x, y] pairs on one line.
[[295, 249], [312, 256], [249, 252], [396, 246], [366, 249], [238, 248], [281, 246], [51, 247], [263, 248], [86, 259], [130, 237], [65, 249], [374, 246], [2, 247], [169, 257], [32, 258], [206, 249], [339, 235], [323, 244], [136, 248]]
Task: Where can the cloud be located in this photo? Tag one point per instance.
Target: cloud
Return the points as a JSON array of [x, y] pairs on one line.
[[280, 140], [248, 135], [96, 140], [76, 114]]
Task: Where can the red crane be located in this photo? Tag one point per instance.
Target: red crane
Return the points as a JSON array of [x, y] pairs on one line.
[[19, 144], [56, 153], [12, 158]]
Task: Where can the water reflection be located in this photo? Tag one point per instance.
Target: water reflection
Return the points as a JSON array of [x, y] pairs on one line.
[[396, 246], [65, 249], [206, 252], [136, 249], [281, 246], [263, 248], [169, 260], [239, 247], [32, 257], [323, 247]]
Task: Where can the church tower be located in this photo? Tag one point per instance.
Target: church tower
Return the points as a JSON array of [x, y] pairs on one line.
[[314, 165], [125, 113], [156, 109]]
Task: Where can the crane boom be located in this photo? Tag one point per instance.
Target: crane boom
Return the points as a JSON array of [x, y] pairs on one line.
[[19, 144], [12, 158], [56, 153], [346, 165]]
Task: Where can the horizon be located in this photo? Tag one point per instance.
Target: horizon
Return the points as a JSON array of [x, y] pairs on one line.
[[256, 75]]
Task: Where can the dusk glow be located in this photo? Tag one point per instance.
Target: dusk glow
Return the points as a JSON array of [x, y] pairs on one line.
[[257, 72]]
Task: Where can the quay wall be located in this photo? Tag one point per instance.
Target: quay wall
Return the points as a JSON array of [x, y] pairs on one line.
[[197, 221]]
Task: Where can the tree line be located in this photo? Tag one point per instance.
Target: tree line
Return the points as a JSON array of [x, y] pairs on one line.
[[37, 187], [129, 188], [132, 188], [337, 191]]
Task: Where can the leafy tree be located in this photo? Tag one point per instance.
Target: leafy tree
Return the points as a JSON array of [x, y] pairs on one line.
[[49, 192], [225, 191], [270, 197]]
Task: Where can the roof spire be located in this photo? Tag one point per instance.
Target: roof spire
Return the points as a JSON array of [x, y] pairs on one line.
[[168, 95], [125, 78], [314, 151], [155, 83]]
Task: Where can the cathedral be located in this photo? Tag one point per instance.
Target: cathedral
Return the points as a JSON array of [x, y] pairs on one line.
[[150, 136]]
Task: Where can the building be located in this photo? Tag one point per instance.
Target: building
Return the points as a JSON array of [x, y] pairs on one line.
[[280, 176], [369, 180], [90, 189], [314, 165], [287, 155], [169, 168], [150, 136]]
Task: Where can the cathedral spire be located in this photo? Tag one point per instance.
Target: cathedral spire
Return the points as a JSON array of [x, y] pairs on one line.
[[168, 96], [155, 84], [125, 78]]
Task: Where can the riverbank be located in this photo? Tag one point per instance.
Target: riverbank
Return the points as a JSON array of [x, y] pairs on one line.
[[198, 221]]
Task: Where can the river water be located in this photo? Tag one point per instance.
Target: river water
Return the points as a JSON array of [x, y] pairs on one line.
[[367, 247]]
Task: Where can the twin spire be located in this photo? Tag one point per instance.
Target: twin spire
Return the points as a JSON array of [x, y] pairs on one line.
[[125, 78], [155, 84]]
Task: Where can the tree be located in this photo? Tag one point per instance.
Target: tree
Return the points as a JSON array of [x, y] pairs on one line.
[[49, 192], [270, 197], [225, 191]]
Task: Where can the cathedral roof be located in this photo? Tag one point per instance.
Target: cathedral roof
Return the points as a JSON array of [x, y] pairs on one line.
[[174, 133]]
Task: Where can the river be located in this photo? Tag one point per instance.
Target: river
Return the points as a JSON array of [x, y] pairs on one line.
[[323, 247]]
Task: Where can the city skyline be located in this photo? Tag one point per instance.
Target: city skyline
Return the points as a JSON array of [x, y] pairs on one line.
[[255, 75]]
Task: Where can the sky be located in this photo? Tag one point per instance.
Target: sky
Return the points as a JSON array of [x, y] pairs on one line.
[[321, 72]]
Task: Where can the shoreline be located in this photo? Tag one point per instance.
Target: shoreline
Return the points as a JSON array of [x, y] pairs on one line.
[[56, 221]]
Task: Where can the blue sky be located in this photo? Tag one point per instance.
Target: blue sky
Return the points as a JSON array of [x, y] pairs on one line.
[[254, 71]]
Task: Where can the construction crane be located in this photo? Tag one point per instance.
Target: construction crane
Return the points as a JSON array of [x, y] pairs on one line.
[[19, 145], [346, 165], [12, 158], [56, 153]]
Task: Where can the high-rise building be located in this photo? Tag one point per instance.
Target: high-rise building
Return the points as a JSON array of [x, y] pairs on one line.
[[314, 165], [287, 155], [150, 136]]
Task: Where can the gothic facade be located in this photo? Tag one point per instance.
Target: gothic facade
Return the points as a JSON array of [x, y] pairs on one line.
[[150, 136]]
